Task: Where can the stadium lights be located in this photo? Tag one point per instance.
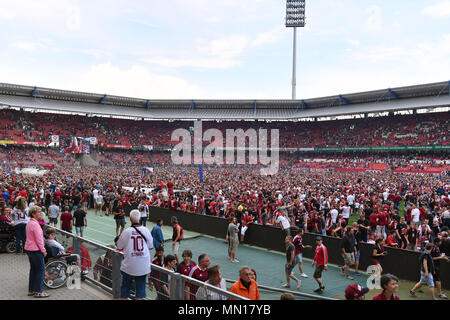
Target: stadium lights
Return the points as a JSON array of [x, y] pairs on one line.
[[295, 17]]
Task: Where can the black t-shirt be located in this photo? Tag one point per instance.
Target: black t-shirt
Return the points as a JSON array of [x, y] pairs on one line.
[[290, 248], [430, 264], [79, 218], [363, 231], [76, 200], [401, 227], [445, 247], [367, 212], [435, 253], [348, 243]]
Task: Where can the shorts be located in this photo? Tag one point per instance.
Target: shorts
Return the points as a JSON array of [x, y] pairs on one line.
[[53, 220], [436, 275], [298, 258], [357, 255], [234, 242], [427, 281], [79, 229], [120, 223], [175, 247], [318, 272], [349, 258], [289, 267]]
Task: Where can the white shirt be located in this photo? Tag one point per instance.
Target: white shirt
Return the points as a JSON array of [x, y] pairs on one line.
[[99, 199], [334, 213], [20, 217], [56, 244], [95, 193], [350, 199], [385, 195], [205, 294], [144, 211], [346, 212], [137, 260], [53, 211], [415, 215], [284, 222]]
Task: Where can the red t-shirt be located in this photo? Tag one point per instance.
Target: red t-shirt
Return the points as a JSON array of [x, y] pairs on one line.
[[298, 244], [381, 296], [66, 218], [201, 275]]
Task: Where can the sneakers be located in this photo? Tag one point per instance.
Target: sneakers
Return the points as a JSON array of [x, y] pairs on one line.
[[357, 274], [412, 293], [420, 290], [235, 260], [304, 275], [286, 285], [350, 278], [443, 296], [319, 290]]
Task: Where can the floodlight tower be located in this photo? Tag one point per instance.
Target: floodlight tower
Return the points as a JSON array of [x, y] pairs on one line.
[[295, 17]]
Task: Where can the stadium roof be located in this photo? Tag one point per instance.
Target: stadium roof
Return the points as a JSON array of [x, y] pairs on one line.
[[434, 95]]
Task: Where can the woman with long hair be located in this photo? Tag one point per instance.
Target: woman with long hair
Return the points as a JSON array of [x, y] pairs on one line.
[[20, 222], [378, 254]]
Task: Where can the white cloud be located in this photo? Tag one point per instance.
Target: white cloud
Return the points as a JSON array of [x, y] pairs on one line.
[[27, 45], [374, 18], [269, 37], [136, 81], [438, 10]]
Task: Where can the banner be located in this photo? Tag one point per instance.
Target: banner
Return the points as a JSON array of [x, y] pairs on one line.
[[93, 140], [149, 148], [116, 146], [32, 143], [6, 142], [74, 145]]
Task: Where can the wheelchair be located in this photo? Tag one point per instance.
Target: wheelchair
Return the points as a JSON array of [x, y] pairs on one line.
[[7, 238], [57, 270]]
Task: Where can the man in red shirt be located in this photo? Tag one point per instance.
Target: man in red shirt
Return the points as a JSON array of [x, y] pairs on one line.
[[298, 243], [199, 272], [321, 261], [185, 268], [66, 220]]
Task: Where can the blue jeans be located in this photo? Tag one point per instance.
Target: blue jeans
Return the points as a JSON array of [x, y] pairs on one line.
[[21, 236], [125, 287], [37, 271], [143, 221]]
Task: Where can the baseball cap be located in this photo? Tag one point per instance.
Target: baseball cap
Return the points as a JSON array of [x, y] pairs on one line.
[[354, 291], [318, 238]]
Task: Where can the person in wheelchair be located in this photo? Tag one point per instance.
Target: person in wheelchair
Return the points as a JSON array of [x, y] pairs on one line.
[[5, 216], [52, 243]]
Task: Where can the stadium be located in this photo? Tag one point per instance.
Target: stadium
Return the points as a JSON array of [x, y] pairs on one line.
[[369, 170]]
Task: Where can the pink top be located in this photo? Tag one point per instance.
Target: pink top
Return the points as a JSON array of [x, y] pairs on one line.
[[35, 236]]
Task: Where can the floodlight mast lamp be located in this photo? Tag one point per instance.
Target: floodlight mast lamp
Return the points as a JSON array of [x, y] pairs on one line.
[[295, 17]]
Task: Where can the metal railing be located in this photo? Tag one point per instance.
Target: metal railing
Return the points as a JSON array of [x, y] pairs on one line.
[[105, 273]]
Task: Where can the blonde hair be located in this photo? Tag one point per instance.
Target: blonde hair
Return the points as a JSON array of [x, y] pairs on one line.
[[33, 210]]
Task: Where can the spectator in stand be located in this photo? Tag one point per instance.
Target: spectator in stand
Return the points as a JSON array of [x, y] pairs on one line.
[[426, 272], [214, 279], [185, 268], [154, 279], [199, 272], [136, 241], [36, 252], [391, 240], [169, 265], [389, 284], [5, 212], [158, 238], [20, 222], [355, 292], [245, 287]]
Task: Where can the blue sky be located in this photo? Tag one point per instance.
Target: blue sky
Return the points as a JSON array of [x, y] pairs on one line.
[[222, 49]]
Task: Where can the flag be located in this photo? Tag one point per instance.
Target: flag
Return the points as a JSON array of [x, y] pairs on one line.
[[200, 172]]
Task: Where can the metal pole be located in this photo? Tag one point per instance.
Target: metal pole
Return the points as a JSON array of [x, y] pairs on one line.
[[294, 65], [116, 262]]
